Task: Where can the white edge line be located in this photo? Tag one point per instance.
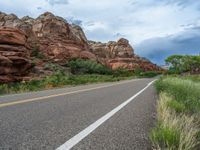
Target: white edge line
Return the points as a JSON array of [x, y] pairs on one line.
[[81, 135]]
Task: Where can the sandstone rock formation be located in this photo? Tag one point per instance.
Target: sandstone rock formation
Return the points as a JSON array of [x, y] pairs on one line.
[[58, 41], [14, 56], [52, 35], [120, 54]]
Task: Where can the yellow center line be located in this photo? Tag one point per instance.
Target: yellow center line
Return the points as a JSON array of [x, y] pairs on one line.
[[16, 102]]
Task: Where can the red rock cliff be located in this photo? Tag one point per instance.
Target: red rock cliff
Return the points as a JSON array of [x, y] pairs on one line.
[[120, 54], [59, 42], [14, 56]]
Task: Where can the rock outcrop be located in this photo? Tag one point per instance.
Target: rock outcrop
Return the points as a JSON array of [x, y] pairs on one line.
[[58, 42], [120, 54], [14, 56], [52, 35]]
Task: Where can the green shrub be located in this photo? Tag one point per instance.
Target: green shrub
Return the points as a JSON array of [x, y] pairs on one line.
[[138, 71], [121, 72], [36, 53], [4, 89], [172, 71], [53, 67], [58, 79], [80, 66], [149, 74], [55, 80]]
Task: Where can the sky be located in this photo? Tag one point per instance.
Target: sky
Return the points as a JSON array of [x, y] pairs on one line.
[[155, 28]]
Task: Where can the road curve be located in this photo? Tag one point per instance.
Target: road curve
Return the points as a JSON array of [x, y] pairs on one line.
[[47, 120]]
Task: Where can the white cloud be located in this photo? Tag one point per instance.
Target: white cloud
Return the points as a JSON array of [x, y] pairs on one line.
[[57, 2], [136, 20]]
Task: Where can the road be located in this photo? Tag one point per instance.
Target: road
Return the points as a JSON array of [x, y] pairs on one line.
[[106, 116]]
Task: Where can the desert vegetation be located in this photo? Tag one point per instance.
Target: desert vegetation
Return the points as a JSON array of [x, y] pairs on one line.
[[82, 72], [178, 113], [183, 63]]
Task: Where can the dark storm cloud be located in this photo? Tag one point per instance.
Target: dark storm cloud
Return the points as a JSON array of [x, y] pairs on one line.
[[157, 49]]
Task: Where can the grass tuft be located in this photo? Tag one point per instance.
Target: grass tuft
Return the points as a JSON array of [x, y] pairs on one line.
[[173, 131]]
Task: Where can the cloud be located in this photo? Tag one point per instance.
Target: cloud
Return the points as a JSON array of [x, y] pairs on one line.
[[119, 35], [39, 8], [100, 34], [57, 2], [136, 20], [72, 20], [157, 49], [181, 3]]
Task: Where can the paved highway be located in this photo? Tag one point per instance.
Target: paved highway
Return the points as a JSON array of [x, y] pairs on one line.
[[106, 116]]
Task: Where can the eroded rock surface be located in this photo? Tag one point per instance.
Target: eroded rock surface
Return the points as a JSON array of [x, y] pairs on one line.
[[58, 42], [52, 35], [120, 54], [14, 56]]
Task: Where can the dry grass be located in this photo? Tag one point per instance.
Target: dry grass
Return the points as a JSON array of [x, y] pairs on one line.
[[174, 131]]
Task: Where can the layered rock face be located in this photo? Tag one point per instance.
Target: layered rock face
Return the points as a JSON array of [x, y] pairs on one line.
[[120, 54], [52, 35], [59, 42], [14, 56]]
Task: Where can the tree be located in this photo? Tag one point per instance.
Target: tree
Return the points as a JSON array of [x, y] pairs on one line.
[[184, 63], [176, 62]]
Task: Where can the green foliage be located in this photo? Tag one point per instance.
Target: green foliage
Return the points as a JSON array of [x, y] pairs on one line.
[[195, 78], [182, 90], [149, 74], [177, 129], [178, 113], [145, 74], [177, 106], [58, 79], [121, 72], [80, 66], [176, 62], [84, 71], [183, 63], [54, 67], [165, 137], [37, 54], [138, 71]]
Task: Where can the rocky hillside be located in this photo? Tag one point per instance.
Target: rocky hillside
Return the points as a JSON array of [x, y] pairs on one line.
[[120, 54], [14, 56], [56, 41]]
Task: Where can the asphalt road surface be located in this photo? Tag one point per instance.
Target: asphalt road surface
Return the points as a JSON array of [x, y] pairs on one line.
[[106, 116]]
